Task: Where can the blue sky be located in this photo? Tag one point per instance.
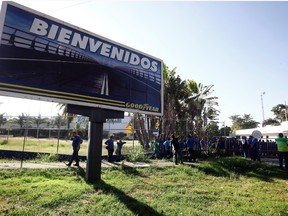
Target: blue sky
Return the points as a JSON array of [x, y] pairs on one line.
[[239, 47]]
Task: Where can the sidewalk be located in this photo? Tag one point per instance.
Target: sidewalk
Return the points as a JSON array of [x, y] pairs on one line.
[[62, 165], [105, 164]]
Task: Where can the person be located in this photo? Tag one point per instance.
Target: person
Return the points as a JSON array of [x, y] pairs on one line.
[[110, 147], [156, 147], [190, 145], [253, 148], [176, 147], [282, 148], [120, 144], [167, 145], [182, 144], [245, 147], [76, 142], [161, 146]]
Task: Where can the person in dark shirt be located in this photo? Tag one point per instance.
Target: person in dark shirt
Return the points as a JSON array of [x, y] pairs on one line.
[[110, 148], [253, 148], [176, 147], [190, 146], [76, 141], [120, 144]]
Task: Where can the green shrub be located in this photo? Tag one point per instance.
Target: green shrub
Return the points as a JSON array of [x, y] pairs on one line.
[[137, 154], [4, 142], [48, 157]]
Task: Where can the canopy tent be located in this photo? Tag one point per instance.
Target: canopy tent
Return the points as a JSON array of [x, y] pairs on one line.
[[269, 130]]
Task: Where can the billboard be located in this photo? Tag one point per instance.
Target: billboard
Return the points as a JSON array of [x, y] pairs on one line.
[[47, 59]]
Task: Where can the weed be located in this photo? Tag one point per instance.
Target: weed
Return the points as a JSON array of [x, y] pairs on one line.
[[137, 154], [48, 157]]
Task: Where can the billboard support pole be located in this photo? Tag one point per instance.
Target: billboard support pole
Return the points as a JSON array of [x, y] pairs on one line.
[[96, 117], [94, 156]]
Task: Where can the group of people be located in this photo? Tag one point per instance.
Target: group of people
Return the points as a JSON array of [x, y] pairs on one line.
[[110, 147], [251, 148], [174, 146], [77, 141]]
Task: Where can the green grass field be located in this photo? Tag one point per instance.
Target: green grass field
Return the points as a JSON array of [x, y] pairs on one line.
[[50, 145], [219, 186]]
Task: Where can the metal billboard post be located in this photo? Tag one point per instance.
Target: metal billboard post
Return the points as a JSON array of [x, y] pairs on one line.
[[96, 117]]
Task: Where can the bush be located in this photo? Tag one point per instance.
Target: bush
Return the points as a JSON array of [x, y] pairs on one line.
[[137, 154], [4, 142], [48, 157]]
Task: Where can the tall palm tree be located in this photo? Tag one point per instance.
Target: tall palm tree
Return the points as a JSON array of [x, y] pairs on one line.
[[38, 121], [199, 105], [69, 116], [174, 93]]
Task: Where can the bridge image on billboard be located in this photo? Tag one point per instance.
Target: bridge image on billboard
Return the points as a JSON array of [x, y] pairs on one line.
[[46, 59]]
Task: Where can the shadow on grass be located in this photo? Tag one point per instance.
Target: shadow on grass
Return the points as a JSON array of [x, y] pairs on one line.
[[135, 206], [128, 170], [236, 166]]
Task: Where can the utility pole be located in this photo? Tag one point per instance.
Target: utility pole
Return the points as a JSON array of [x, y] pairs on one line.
[[285, 111], [263, 93]]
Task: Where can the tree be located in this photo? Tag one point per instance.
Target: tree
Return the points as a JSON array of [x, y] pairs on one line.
[[271, 121], [173, 95], [3, 120], [23, 120], [200, 105], [59, 121], [280, 112], [212, 130], [188, 105], [225, 131], [245, 122], [68, 116], [38, 121]]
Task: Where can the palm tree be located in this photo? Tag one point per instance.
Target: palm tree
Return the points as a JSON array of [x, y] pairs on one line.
[[69, 116], [3, 120], [199, 105], [173, 95], [38, 121]]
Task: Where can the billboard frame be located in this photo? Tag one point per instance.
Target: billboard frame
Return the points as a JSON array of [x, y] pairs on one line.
[[42, 97]]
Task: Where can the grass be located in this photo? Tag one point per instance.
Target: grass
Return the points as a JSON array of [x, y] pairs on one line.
[[219, 186], [50, 145]]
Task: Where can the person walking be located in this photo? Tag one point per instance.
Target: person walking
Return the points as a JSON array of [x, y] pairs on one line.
[[282, 147], [110, 147], [76, 142]]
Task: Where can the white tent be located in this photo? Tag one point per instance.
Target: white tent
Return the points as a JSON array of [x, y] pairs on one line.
[[269, 130]]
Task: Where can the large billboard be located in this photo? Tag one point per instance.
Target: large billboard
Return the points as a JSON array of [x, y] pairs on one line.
[[44, 58]]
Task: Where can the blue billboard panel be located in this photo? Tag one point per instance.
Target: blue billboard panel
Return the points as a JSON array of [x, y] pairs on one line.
[[44, 58]]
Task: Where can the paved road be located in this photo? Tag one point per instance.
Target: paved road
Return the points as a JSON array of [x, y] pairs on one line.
[[105, 164]]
